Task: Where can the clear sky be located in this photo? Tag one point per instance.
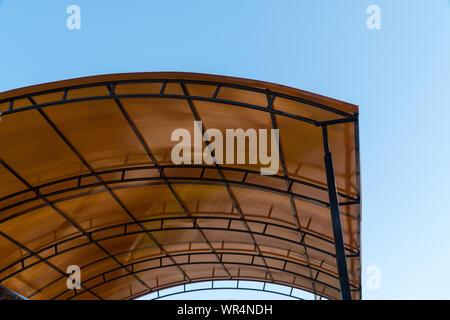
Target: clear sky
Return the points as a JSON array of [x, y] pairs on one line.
[[398, 75]]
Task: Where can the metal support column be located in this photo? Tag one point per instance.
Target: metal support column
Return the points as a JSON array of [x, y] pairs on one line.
[[336, 220]]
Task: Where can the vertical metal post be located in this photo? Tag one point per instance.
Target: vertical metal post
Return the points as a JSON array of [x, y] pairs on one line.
[[336, 220]]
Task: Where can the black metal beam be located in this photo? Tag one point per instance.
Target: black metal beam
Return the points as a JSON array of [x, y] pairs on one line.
[[125, 170], [162, 227], [216, 84], [48, 263], [358, 195], [199, 180], [107, 188], [63, 214], [336, 220], [270, 100], [150, 155], [197, 262], [214, 287], [227, 186]]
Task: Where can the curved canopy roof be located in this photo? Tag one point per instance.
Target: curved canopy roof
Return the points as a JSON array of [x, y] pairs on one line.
[[87, 179]]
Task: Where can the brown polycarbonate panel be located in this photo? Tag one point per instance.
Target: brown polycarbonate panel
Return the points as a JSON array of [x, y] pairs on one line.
[[161, 277], [10, 184], [125, 243], [315, 219], [230, 237], [49, 97], [303, 110], [315, 192], [139, 88], [94, 211], [92, 272], [4, 106], [205, 199], [336, 104], [350, 210], [264, 204], [43, 227], [85, 295], [10, 254], [19, 204], [277, 246], [64, 192], [121, 288], [166, 116], [31, 279], [58, 190], [288, 278], [201, 90], [349, 227], [88, 254], [87, 92], [150, 216], [342, 146], [229, 175], [244, 96], [53, 289], [31, 147], [236, 246], [334, 282], [21, 102], [247, 272], [176, 236], [273, 182], [68, 294], [302, 146], [137, 255], [99, 132], [173, 89], [223, 117], [149, 202], [200, 272], [320, 252]]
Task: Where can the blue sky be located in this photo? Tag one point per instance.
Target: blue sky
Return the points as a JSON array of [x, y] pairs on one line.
[[399, 76]]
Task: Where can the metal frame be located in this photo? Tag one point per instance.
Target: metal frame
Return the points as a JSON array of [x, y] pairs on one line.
[[336, 220], [213, 286], [342, 116], [333, 194], [221, 254], [162, 226], [270, 100], [78, 180]]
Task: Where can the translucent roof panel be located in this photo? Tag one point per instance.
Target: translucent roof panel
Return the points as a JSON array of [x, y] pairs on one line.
[[87, 179]]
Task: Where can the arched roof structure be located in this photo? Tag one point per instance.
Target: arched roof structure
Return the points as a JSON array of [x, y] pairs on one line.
[[87, 179]]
